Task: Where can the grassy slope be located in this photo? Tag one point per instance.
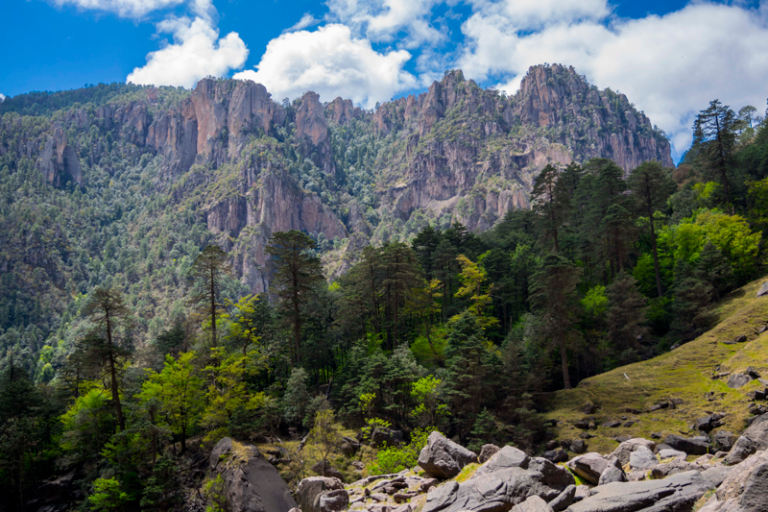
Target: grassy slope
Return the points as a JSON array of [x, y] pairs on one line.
[[685, 373]]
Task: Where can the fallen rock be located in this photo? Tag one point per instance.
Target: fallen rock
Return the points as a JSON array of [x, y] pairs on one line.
[[612, 424], [251, 484], [625, 449], [745, 488], [488, 451], [564, 499], [532, 504], [752, 372], [676, 493], [741, 338], [612, 474], [724, 440], [578, 446], [753, 439], [642, 458], [738, 380], [333, 501], [669, 453], [591, 465], [674, 467], [588, 408], [763, 289], [556, 455], [310, 490], [692, 446], [324, 468], [442, 458], [507, 457]]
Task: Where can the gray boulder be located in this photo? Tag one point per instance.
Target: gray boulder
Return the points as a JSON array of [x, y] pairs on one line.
[[745, 489], [642, 458], [383, 436], [591, 465], [324, 468], [578, 446], [556, 455], [692, 446], [754, 439], [669, 453], [532, 504], [676, 493], [564, 499], [333, 501], [251, 484], [488, 451], [738, 380], [625, 449], [442, 458], [724, 440], [763, 289], [612, 474], [312, 491], [507, 457]]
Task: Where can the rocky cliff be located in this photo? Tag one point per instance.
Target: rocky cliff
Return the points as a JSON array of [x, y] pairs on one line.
[[249, 166]]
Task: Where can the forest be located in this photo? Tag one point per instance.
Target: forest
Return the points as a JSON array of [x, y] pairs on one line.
[[451, 330]]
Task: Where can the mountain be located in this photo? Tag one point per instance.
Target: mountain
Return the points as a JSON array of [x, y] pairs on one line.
[[105, 176]]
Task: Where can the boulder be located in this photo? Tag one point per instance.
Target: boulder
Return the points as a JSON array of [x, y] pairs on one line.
[[333, 501], [674, 467], [578, 446], [564, 499], [754, 439], [738, 380], [692, 446], [625, 449], [612, 474], [556, 455], [716, 475], [488, 451], [642, 458], [442, 458], [763, 289], [311, 491], [383, 436], [669, 453], [251, 484], [324, 468], [591, 465], [507, 457], [532, 504], [612, 424], [745, 488], [676, 493], [588, 408], [724, 440]]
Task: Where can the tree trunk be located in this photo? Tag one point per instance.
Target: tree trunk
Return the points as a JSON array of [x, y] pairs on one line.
[[113, 372]]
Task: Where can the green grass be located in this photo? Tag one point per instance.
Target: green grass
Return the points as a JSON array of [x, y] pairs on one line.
[[685, 373]]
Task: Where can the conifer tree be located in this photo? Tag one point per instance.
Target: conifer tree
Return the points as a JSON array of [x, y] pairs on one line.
[[714, 142], [625, 315], [208, 272], [548, 203]]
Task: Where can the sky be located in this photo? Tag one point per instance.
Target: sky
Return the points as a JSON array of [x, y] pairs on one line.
[[671, 58]]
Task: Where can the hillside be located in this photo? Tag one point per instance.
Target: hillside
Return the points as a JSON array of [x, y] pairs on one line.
[[688, 373]]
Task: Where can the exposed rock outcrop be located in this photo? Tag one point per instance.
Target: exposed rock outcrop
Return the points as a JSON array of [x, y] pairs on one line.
[[442, 458]]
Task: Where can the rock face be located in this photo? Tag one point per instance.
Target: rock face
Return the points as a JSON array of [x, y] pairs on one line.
[[754, 439], [251, 484], [442, 458], [321, 494]]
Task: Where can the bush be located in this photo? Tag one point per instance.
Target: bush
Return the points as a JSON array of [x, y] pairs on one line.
[[397, 458]]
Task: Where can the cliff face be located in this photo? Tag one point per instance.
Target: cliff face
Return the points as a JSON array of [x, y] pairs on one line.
[[250, 167]]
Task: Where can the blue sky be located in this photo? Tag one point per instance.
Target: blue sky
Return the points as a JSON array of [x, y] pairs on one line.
[[669, 57]]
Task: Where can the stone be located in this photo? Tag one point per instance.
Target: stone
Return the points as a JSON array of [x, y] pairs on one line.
[[612, 474], [442, 458], [642, 458], [762, 329], [383, 436], [691, 446], [674, 467], [324, 468], [612, 424], [578, 446], [426, 484], [676, 493], [487, 451], [310, 490], [333, 501], [763, 290], [564, 499], [507, 457], [724, 440], [590, 466], [555, 455], [588, 408], [532, 504], [251, 484], [669, 453], [738, 380], [753, 439], [716, 475], [741, 338], [625, 449]]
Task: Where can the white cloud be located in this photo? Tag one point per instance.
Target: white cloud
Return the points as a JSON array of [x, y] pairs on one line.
[[2, 97], [670, 66], [306, 21], [196, 52], [124, 8], [386, 20], [331, 62]]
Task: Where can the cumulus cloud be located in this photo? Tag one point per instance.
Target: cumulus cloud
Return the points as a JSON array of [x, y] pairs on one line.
[[331, 62], [196, 52], [124, 8], [407, 22], [2, 97], [670, 66]]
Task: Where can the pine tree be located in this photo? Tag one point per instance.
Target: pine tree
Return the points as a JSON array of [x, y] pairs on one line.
[[549, 204], [401, 277], [625, 315], [208, 272], [296, 274], [714, 142], [651, 184], [108, 311]]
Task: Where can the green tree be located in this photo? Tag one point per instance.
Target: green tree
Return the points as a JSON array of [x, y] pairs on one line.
[[401, 277], [106, 308], [297, 273], [625, 315], [555, 302], [107, 495], [179, 392], [208, 272], [548, 203], [651, 184], [297, 397], [714, 142]]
